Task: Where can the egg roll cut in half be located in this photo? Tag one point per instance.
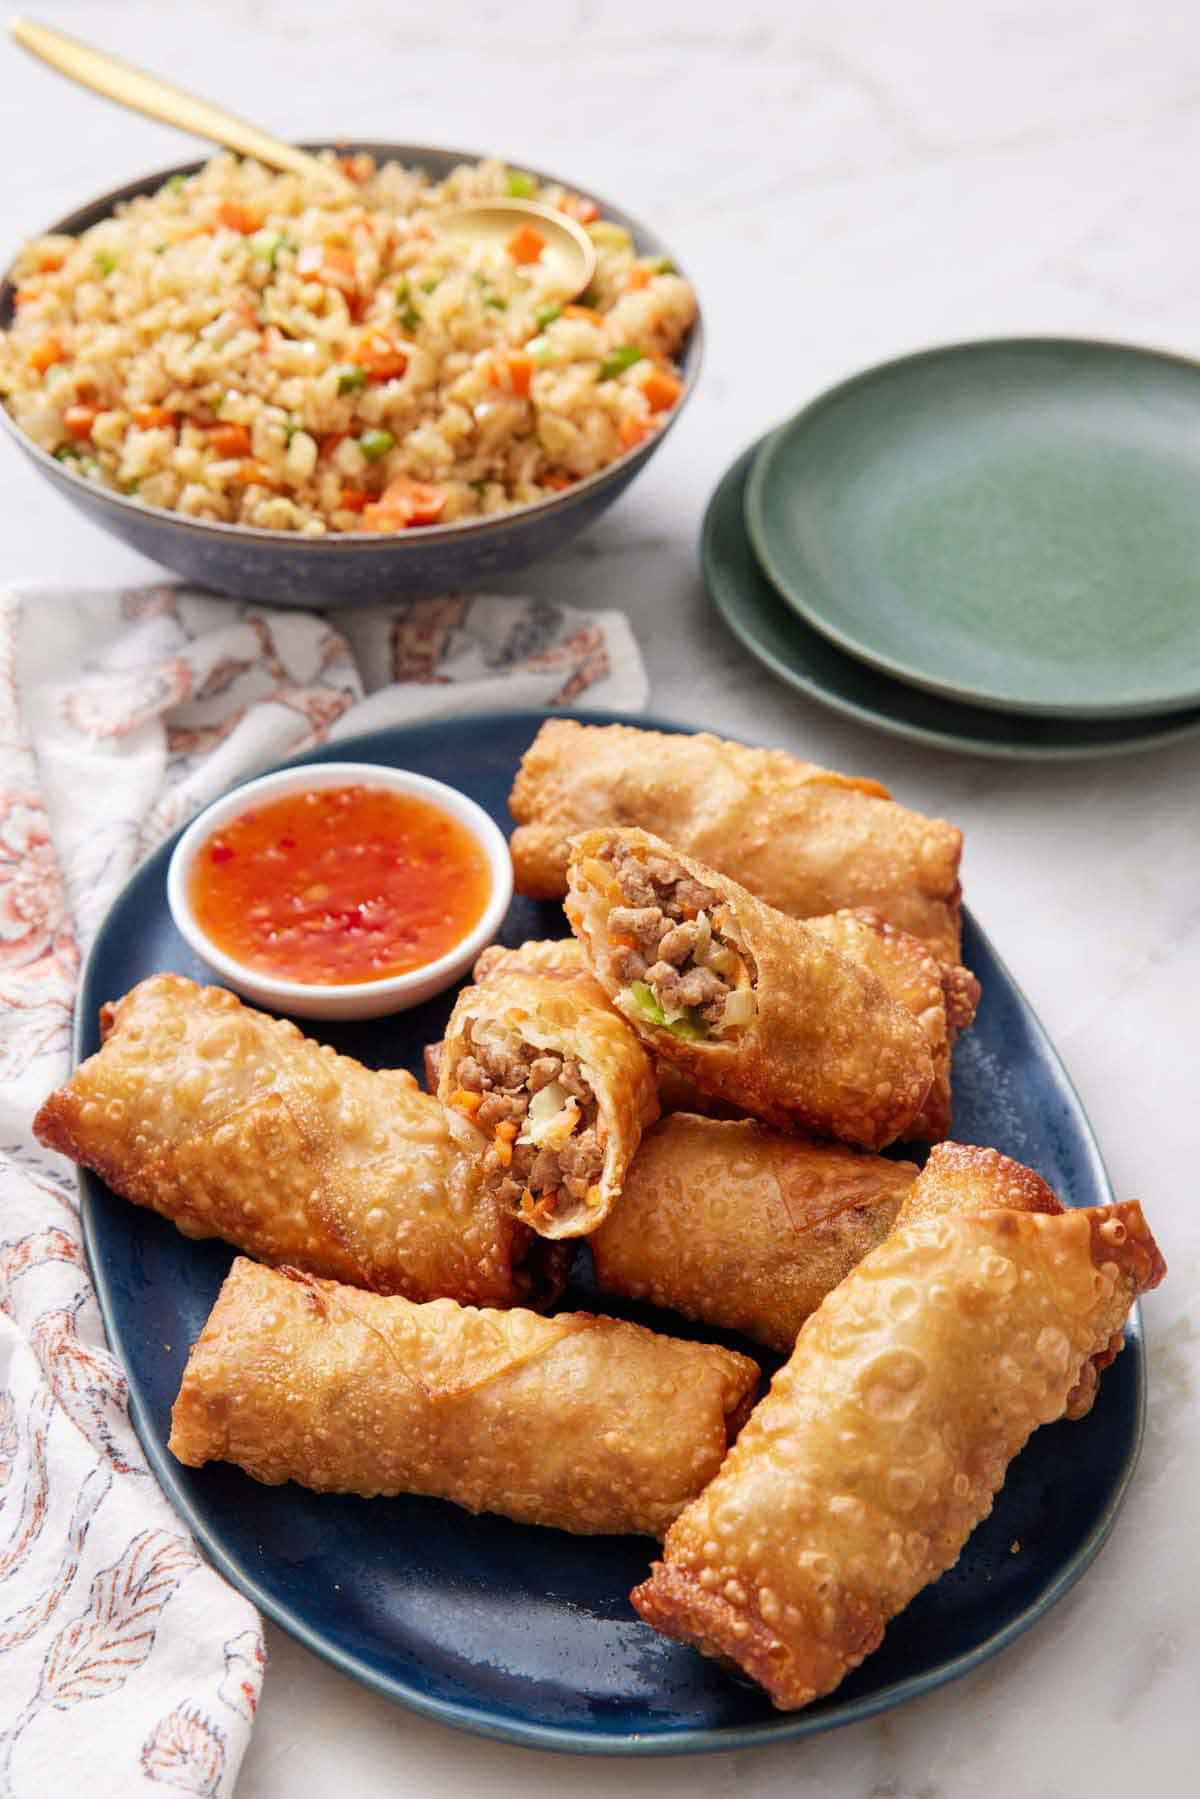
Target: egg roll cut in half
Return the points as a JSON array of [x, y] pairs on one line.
[[885, 1438], [802, 838], [234, 1125], [555, 1081], [752, 1006], [584, 1423], [741, 1226], [941, 997]]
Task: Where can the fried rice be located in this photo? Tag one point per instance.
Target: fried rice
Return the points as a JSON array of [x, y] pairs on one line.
[[264, 349]]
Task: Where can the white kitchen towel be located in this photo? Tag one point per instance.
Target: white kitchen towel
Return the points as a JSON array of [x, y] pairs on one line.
[[126, 1663]]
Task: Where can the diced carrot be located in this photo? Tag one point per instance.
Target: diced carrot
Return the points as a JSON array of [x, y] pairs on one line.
[[150, 418], [381, 356], [632, 430], [330, 263], [45, 354], [238, 218], [576, 207], [79, 420], [583, 312], [351, 168], [406, 502], [424, 499], [230, 440], [353, 499], [661, 390], [526, 245], [23, 296], [557, 479], [619, 940], [639, 276], [50, 260], [327, 444], [463, 1100], [513, 370], [254, 474]]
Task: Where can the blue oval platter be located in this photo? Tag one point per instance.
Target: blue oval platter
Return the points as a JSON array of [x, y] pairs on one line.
[[526, 1634]]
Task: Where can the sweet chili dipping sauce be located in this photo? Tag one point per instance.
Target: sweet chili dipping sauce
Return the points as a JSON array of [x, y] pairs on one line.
[[339, 884]]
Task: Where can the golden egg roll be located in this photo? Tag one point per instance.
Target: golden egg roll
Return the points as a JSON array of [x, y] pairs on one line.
[[885, 1438], [941, 997], [234, 1125], [741, 1226], [751, 1005], [802, 838], [584, 1423], [556, 1082]]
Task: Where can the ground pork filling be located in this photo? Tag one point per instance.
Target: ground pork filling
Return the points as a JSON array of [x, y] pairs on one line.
[[544, 1154], [670, 943]]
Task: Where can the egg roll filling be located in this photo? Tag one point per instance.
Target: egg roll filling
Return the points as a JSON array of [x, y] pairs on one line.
[[540, 1115], [672, 942]]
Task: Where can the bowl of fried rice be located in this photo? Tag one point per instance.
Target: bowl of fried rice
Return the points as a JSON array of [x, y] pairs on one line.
[[316, 394]]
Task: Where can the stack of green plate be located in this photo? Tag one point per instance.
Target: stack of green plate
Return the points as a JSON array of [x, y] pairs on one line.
[[991, 547]]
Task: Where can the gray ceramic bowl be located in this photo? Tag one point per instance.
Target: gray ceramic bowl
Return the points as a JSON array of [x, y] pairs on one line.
[[352, 567]]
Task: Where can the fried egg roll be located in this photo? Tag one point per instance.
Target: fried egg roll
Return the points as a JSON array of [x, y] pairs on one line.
[[584, 1423], [941, 997], [743, 1227], [751, 1005], [234, 1125], [885, 1438], [802, 838], [556, 1082]]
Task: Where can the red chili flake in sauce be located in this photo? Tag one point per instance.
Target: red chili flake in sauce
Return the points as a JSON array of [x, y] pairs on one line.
[[340, 884]]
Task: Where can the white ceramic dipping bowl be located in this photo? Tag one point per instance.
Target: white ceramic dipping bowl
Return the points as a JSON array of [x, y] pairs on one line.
[[357, 999]]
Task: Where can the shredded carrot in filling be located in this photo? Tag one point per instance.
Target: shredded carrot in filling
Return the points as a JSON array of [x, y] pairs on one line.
[[502, 1142], [543, 1208]]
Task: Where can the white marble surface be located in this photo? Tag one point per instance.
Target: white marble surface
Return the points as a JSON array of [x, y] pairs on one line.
[[845, 181]]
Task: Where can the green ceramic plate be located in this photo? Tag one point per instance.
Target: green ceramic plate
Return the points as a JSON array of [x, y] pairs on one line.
[[807, 661], [1013, 524]]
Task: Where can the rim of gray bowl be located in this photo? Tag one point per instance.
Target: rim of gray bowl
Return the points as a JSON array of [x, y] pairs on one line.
[[436, 158]]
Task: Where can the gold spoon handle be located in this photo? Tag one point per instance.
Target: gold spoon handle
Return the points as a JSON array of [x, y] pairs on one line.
[[133, 87]]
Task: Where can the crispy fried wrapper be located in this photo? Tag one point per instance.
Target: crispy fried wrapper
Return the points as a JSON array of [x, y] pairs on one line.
[[741, 1226], [751, 1005], [885, 1438], [804, 839], [557, 1082], [584, 1423], [941, 997], [234, 1125]]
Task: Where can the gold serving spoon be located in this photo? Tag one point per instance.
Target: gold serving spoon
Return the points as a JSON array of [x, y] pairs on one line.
[[564, 247]]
